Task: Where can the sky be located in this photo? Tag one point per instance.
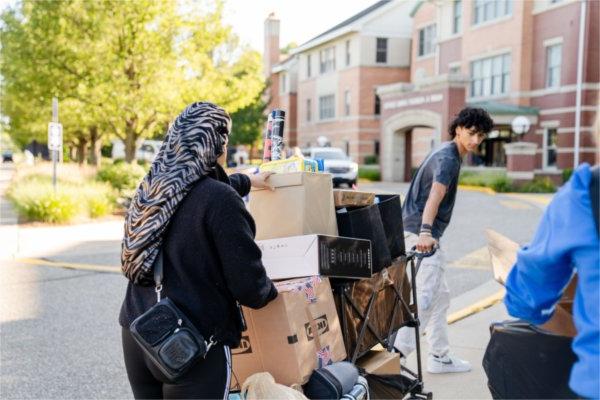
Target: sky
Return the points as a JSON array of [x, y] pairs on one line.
[[300, 20]]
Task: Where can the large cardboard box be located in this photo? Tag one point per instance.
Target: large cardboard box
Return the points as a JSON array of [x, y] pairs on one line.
[[503, 254], [380, 362], [308, 255], [301, 204], [293, 335]]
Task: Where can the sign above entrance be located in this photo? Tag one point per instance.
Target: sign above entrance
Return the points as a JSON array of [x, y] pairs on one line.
[[413, 101]]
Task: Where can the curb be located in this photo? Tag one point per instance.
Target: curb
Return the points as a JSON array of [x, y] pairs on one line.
[[476, 307], [77, 266], [481, 189]]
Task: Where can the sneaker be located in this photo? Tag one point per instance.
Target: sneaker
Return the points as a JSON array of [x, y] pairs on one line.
[[446, 364]]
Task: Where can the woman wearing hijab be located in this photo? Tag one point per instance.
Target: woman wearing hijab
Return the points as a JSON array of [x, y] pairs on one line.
[[188, 207]]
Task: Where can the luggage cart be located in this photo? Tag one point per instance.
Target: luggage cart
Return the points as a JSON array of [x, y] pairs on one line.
[[413, 383]]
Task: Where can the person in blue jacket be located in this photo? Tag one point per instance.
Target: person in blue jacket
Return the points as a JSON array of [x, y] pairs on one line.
[[566, 241]]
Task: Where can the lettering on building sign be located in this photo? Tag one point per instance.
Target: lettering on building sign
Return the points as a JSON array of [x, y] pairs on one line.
[[413, 101]]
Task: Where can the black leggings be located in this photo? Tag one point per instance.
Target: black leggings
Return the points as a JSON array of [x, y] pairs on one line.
[[208, 379]]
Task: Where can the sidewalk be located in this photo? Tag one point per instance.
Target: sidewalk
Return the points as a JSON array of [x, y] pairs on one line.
[[468, 340]]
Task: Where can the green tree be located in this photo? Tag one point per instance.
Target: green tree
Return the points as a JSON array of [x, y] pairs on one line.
[[248, 123], [120, 69]]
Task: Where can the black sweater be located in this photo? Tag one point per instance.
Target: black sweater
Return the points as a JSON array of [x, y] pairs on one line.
[[210, 261]]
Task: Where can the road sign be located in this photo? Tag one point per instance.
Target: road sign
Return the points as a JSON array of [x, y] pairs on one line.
[[55, 136]]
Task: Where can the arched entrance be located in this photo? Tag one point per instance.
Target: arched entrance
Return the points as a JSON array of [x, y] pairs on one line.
[[397, 139]]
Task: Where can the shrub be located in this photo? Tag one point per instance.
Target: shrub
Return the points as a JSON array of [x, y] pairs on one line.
[[371, 160], [501, 184], [371, 174], [538, 185], [35, 200], [122, 176], [566, 174]]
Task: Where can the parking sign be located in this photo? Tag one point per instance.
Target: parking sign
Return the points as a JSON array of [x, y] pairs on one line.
[[55, 136]]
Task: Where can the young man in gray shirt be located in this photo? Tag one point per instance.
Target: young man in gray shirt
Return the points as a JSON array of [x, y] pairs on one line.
[[426, 213]]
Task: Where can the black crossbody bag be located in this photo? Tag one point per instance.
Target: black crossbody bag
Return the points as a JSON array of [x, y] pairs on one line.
[[166, 335]]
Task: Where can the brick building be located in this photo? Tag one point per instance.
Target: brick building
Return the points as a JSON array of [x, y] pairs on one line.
[[328, 84], [534, 59]]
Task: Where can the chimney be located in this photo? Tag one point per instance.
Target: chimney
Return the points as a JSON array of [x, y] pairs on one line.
[[271, 52]]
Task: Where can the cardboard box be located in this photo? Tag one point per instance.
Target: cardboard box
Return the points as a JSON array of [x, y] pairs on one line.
[[293, 335], [307, 255], [301, 204], [503, 254], [380, 362], [352, 198]]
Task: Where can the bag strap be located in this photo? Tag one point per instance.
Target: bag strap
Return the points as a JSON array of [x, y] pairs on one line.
[[158, 273], [595, 195]]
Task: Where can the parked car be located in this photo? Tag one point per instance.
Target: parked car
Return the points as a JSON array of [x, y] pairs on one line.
[[336, 162], [147, 150], [7, 156]]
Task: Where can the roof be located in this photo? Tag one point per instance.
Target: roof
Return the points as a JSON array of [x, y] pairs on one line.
[[496, 108], [353, 18]]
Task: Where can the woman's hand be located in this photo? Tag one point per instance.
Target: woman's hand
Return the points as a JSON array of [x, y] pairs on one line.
[[260, 180]]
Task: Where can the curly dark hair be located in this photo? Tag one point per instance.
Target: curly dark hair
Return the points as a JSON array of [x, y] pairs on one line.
[[471, 117]]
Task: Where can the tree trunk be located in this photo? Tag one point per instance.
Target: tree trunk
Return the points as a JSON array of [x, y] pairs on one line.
[[82, 151], [95, 147], [130, 139]]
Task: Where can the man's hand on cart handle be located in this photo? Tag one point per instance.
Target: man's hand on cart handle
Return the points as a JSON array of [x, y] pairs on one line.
[[426, 243]]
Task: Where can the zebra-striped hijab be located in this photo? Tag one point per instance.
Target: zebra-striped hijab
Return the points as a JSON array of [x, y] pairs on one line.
[[190, 151]]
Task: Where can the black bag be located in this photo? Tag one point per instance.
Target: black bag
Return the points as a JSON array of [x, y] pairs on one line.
[[391, 217], [332, 381], [389, 386], [365, 223], [166, 335], [523, 361]]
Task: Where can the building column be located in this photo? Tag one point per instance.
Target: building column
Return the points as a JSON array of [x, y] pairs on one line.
[[520, 160]]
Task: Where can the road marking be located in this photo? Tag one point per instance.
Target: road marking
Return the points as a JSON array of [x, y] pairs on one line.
[[477, 259], [515, 204], [476, 307], [60, 264], [481, 189], [542, 199]]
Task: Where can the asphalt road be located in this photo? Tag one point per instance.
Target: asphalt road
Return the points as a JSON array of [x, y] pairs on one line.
[[59, 336]]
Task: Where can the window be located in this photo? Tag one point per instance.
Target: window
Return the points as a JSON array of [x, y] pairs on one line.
[[308, 61], [456, 16], [488, 10], [382, 44], [376, 148], [550, 147], [377, 105], [454, 70], [308, 110], [327, 107], [327, 60], [490, 76], [347, 102], [282, 83], [347, 52], [347, 146], [426, 40], [553, 62]]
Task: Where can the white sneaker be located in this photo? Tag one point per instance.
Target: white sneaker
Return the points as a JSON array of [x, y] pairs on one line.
[[446, 364]]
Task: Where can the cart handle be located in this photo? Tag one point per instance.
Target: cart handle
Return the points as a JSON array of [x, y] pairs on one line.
[[413, 253]]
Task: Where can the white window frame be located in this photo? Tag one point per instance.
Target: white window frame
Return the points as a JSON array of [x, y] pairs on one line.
[[457, 17], [327, 60], [347, 102], [423, 39], [328, 113], [490, 76], [557, 68], [381, 51], [283, 83], [490, 10], [546, 148]]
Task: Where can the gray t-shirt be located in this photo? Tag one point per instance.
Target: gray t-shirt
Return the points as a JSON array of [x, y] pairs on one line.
[[441, 165]]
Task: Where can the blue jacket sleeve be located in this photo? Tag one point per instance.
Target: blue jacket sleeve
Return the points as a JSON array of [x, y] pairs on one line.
[[544, 268]]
